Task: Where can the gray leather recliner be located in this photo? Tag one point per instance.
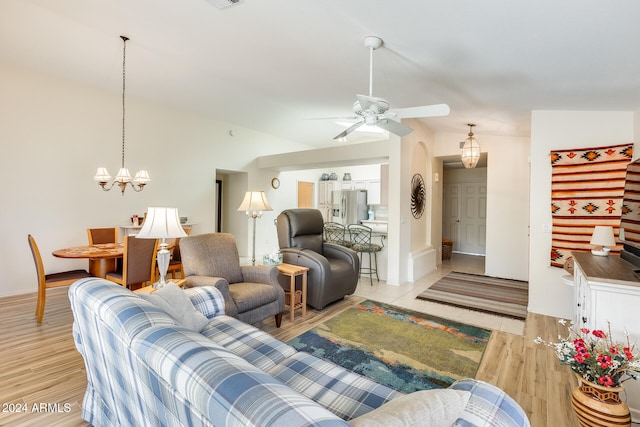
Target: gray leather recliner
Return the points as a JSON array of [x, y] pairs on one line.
[[333, 269]]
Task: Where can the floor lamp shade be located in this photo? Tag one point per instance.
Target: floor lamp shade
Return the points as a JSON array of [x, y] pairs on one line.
[[162, 223]]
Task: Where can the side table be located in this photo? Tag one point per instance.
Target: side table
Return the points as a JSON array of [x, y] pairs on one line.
[[293, 271]]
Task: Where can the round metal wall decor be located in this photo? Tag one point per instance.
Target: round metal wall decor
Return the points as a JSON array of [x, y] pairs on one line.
[[418, 195]]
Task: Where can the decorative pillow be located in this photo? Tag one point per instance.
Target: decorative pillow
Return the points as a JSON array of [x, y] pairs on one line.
[[172, 300], [208, 300], [433, 408]]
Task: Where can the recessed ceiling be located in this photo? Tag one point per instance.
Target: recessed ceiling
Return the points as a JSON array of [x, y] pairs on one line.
[[277, 66]]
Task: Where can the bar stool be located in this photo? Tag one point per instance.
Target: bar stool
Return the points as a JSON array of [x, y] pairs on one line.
[[360, 236]]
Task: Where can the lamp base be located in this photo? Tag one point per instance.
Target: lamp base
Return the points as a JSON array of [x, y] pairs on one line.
[[159, 284], [602, 252]]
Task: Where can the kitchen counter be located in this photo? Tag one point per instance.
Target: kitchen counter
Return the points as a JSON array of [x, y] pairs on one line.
[[377, 226]]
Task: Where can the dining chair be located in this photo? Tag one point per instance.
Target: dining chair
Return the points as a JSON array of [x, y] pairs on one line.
[[176, 258], [360, 236], [53, 280], [102, 235], [139, 263]]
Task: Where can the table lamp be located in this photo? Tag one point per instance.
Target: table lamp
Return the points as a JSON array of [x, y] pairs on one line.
[[254, 203], [601, 238], [162, 223]]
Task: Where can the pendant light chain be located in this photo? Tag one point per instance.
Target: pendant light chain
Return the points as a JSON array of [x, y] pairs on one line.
[[124, 61]]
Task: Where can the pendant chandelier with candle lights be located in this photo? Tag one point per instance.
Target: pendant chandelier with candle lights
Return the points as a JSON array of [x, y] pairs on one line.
[[123, 178]]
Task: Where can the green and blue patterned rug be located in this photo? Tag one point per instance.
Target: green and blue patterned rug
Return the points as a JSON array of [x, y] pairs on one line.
[[400, 348]]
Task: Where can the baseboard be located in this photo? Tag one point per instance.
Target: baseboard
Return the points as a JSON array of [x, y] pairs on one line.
[[421, 263]]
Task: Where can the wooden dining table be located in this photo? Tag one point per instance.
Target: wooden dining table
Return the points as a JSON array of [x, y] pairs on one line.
[[102, 257]]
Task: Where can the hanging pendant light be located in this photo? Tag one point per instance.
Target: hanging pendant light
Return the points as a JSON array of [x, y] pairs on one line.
[[123, 178], [470, 150]]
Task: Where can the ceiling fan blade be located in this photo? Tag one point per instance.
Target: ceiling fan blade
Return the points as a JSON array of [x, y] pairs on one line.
[[394, 127], [424, 111], [348, 130]]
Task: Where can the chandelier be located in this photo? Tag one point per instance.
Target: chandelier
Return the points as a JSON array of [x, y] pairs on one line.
[[123, 178], [470, 150]]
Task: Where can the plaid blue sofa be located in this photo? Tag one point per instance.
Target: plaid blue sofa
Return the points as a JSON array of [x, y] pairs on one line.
[[144, 369]]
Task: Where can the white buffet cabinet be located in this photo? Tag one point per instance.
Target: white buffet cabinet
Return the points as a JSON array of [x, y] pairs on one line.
[[606, 290]]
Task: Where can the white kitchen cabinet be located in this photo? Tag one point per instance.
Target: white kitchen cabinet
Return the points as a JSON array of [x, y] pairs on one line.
[[373, 191], [354, 185], [324, 191], [607, 293]]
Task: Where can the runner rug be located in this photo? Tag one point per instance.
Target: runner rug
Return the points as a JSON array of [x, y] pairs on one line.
[[400, 348], [502, 297]]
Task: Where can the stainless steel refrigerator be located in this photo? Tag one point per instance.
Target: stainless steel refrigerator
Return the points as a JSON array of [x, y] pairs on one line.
[[349, 206]]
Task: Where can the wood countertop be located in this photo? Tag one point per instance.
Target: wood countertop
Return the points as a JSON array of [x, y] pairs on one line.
[[608, 269]]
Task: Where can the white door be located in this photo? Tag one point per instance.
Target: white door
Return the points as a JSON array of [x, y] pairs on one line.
[[464, 217]]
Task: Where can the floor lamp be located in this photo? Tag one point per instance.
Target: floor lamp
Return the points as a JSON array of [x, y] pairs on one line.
[[254, 203], [162, 223]]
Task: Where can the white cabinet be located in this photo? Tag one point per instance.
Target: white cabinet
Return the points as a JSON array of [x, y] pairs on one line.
[[324, 197], [354, 185], [373, 191], [607, 292], [324, 191]]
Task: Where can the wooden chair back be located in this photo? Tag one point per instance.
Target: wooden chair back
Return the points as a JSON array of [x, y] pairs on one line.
[[46, 281], [99, 236], [139, 262]]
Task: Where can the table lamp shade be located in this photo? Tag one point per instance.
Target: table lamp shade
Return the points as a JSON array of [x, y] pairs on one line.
[[603, 236], [161, 223]]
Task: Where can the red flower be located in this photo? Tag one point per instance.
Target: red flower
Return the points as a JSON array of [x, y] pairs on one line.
[[579, 343], [585, 330], [578, 358], [628, 354], [604, 361], [606, 381], [598, 333], [613, 349]]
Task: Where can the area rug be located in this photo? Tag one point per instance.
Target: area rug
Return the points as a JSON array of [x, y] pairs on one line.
[[403, 349], [587, 186], [492, 295]]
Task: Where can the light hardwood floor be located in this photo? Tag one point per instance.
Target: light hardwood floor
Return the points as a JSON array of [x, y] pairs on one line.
[[42, 374]]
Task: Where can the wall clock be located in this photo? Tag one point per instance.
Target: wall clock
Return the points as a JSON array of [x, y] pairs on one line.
[[275, 183], [418, 195]]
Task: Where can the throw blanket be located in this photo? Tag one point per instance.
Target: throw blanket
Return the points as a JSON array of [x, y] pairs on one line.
[[587, 186]]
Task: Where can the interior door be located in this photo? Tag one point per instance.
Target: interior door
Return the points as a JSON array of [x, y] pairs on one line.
[[465, 217], [305, 194]]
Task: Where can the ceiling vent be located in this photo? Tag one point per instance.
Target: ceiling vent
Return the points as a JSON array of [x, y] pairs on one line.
[[223, 4]]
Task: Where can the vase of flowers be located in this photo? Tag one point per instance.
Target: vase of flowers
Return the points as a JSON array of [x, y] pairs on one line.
[[601, 366]]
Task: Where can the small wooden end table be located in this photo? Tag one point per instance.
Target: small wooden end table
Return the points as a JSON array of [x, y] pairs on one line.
[[293, 271]]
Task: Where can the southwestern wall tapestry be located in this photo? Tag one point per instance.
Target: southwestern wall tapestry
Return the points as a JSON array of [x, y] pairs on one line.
[[587, 186]]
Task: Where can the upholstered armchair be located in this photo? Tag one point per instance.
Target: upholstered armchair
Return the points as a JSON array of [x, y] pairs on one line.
[[333, 269], [251, 293]]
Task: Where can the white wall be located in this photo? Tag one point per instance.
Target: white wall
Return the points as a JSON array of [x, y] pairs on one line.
[[54, 135], [507, 200], [555, 130]]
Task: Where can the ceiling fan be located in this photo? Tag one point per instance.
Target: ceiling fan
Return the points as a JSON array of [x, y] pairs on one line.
[[374, 111]]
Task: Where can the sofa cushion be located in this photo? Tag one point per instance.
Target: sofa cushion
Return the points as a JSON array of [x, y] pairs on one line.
[[345, 393], [489, 406], [215, 385], [253, 345], [421, 408], [172, 300]]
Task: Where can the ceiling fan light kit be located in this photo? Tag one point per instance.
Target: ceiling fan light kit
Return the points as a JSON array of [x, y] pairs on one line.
[[374, 111], [470, 150]]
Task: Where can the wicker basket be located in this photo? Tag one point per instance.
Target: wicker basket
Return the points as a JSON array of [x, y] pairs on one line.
[[447, 248], [297, 298]]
